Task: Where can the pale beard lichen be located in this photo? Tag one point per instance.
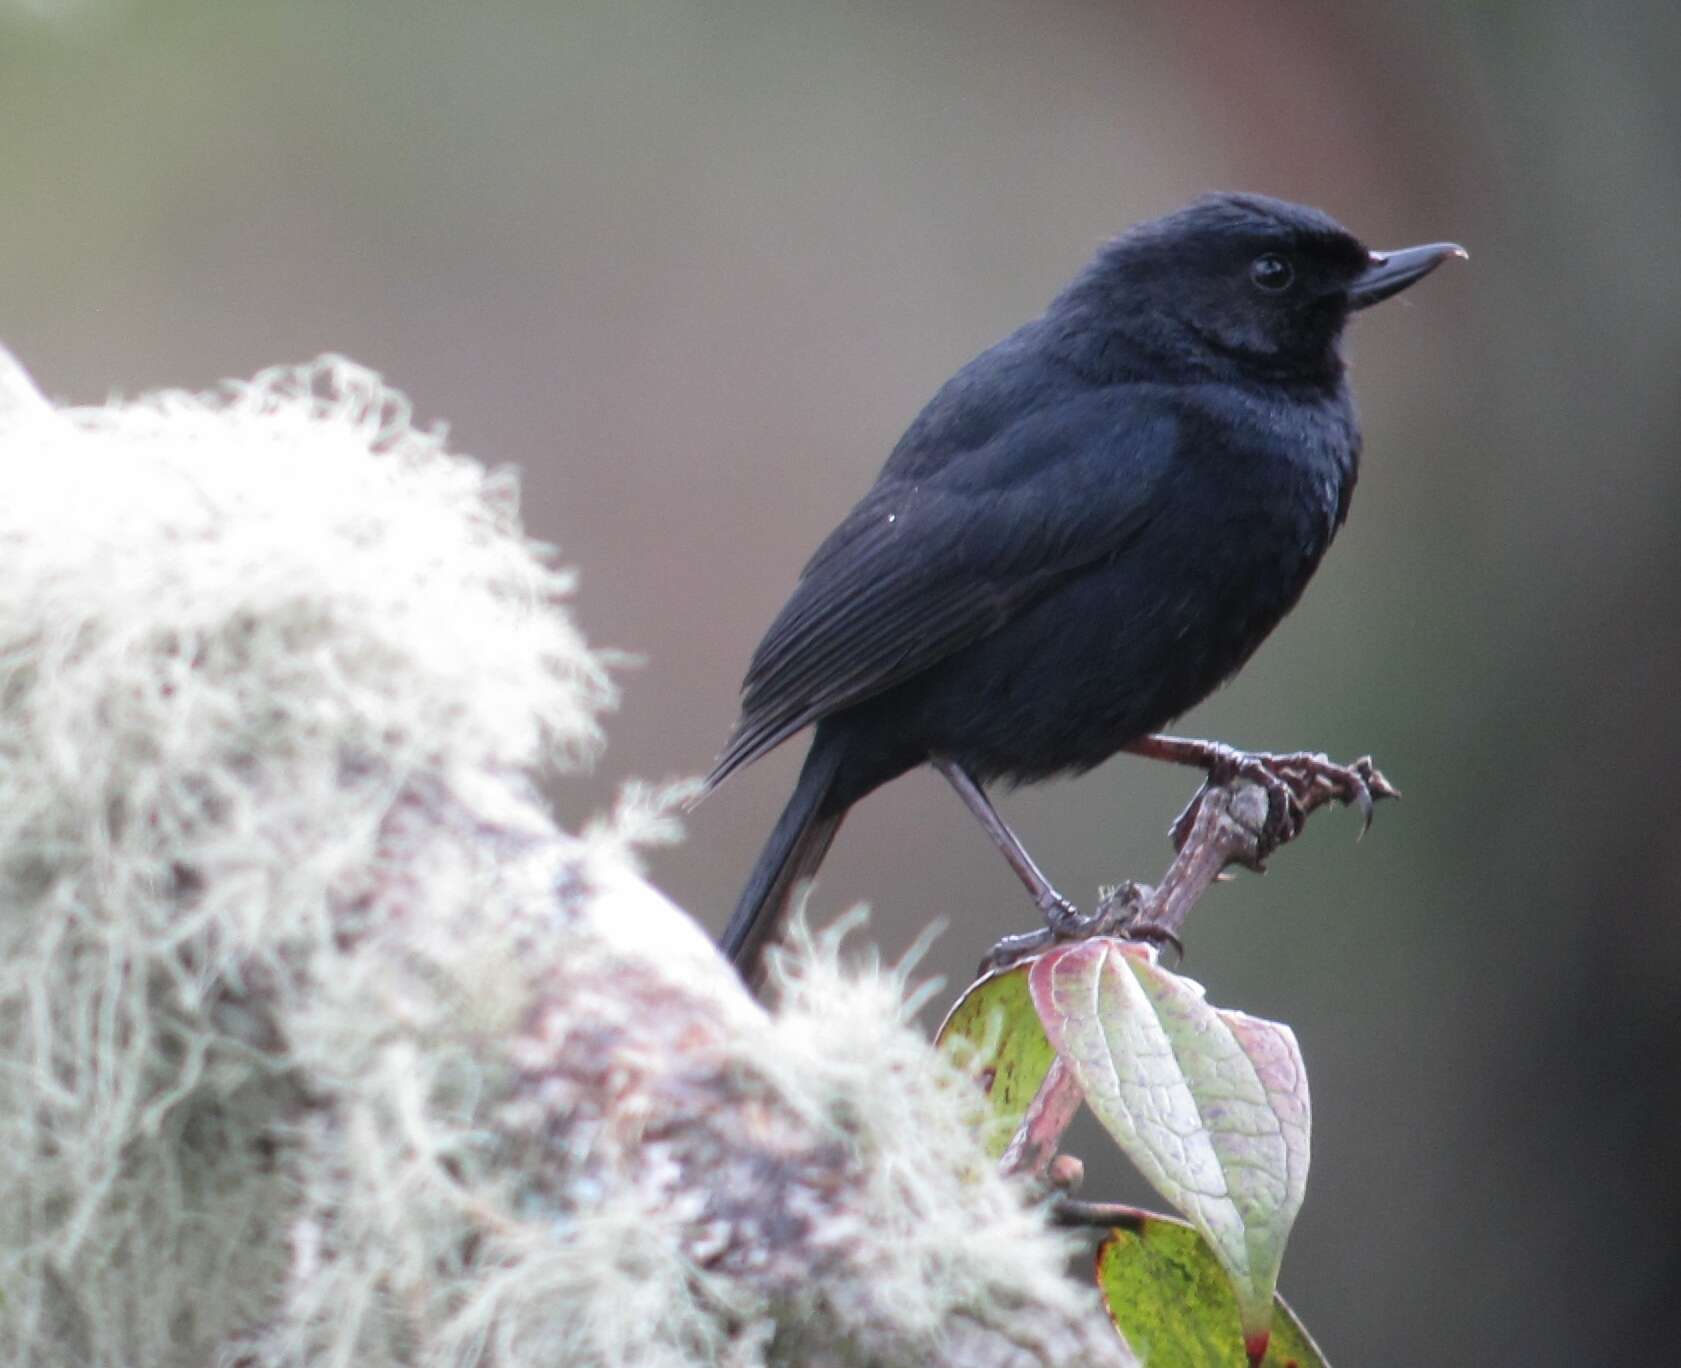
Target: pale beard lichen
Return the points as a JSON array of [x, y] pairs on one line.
[[320, 1045], [232, 629]]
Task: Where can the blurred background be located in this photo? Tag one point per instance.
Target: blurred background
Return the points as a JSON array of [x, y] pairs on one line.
[[693, 266]]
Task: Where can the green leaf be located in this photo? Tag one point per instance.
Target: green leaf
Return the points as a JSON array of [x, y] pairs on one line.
[[1171, 1300], [993, 1032], [1212, 1106]]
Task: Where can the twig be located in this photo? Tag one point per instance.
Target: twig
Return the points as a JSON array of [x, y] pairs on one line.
[[1067, 1211], [1051, 1112], [1238, 822], [1228, 829]]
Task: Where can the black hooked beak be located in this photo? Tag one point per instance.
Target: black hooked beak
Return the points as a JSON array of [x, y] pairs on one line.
[[1391, 272]]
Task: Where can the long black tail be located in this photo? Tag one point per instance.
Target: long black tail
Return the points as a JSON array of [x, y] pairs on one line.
[[796, 847]]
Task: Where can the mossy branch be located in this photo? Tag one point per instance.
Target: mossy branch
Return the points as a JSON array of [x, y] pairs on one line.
[[320, 1044]]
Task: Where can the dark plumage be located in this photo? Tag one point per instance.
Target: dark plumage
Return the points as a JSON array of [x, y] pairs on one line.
[[1090, 526]]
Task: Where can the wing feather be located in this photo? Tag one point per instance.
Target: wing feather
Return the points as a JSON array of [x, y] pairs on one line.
[[920, 569]]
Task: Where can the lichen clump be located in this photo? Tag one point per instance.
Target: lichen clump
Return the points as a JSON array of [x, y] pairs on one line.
[[235, 631], [321, 1045]]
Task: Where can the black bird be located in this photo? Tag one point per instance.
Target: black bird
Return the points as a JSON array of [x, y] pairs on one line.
[[1089, 528]]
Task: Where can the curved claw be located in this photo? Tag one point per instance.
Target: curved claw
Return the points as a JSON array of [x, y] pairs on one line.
[[1158, 936], [1364, 801]]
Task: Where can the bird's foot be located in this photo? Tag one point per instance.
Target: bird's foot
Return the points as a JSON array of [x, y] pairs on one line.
[[1115, 916], [1012, 950], [1063, 922], [1295, 784]]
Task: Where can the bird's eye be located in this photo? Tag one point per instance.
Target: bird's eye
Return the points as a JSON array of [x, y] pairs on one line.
[[1272, 273]]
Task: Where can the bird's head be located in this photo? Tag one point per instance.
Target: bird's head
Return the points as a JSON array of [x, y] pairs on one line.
[[1245, 283]]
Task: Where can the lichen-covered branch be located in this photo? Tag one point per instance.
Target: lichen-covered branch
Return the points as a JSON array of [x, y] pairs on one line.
[[321, 1045]]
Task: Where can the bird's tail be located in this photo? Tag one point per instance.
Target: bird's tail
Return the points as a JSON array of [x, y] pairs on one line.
[[796, 847]]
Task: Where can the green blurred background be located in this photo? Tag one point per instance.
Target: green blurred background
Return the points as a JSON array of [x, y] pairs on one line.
[[694, 266]]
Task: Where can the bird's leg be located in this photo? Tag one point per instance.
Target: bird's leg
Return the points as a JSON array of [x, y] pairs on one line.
[[1294, 782], [1062, 918]]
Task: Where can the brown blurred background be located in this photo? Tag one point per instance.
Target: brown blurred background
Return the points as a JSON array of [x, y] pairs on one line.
[[694, 266]]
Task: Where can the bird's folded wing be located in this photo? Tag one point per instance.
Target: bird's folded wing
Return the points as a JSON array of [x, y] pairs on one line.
[[920, 569]]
